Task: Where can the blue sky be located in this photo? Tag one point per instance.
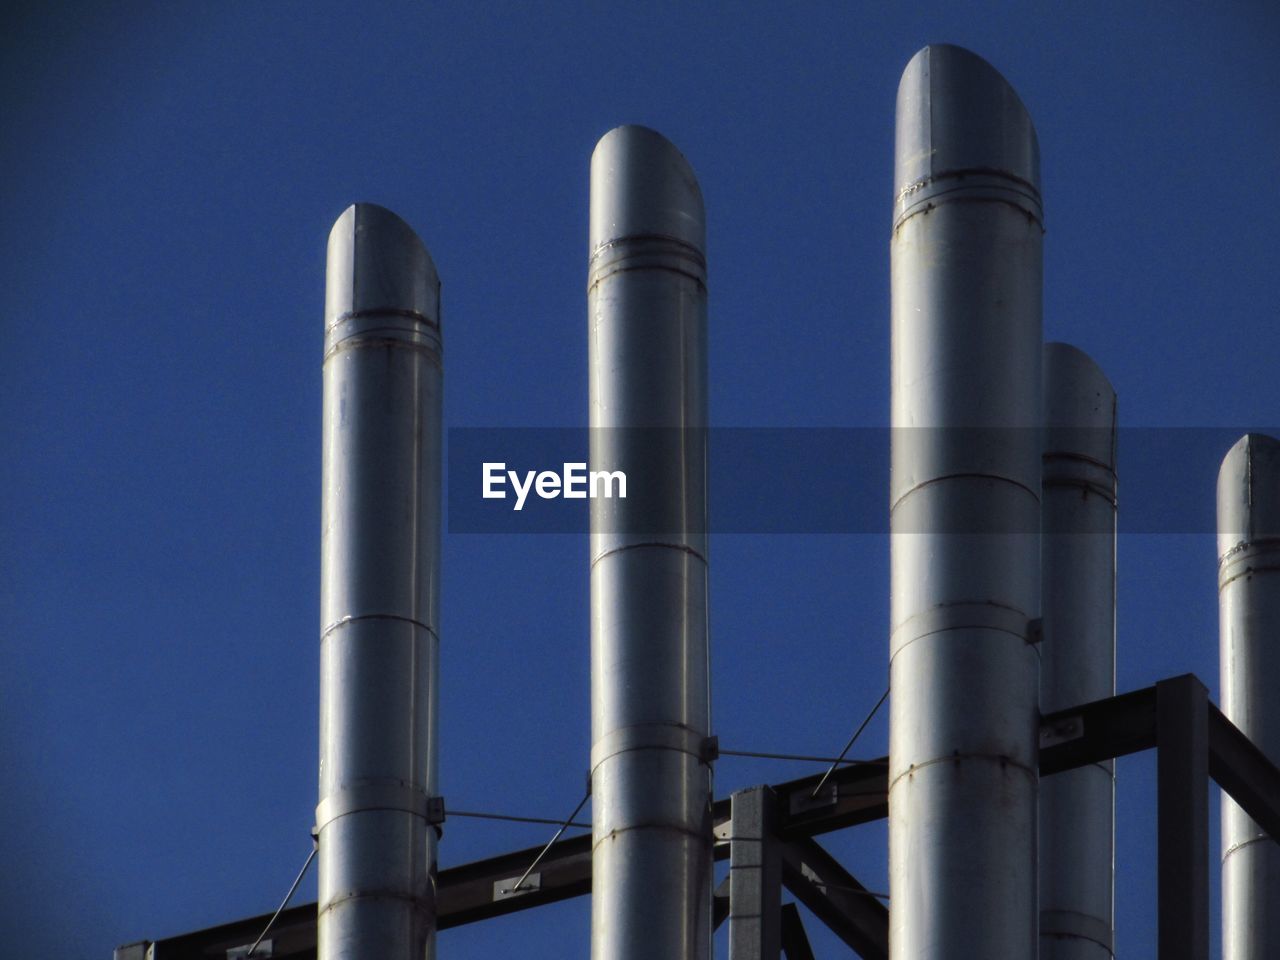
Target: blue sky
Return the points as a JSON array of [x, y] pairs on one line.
[[169, 176]]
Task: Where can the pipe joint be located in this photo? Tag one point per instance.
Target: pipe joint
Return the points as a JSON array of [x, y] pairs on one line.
[[1070, 924], [405, 329], [652, 252], [378, 795], [967, 186], [963, 616], [654, 736], [1245, 559]]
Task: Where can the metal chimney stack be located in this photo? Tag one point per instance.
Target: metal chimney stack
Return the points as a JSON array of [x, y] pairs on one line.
[[650, 700], [379, 591], [966, 268], [1078, 654], [1249, 618]]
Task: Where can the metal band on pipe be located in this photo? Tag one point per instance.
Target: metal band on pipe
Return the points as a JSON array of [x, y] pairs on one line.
[[646, 252], [1257, 556], [951, 186], [652, 736], [961, 616], [372, 796], [395, 328], [1073, 470], [1064, 923]]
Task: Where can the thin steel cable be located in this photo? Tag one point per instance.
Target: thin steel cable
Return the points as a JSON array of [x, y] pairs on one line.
[[315, 846], [857, 733], [798, 756], [477, 815], [550, 843]]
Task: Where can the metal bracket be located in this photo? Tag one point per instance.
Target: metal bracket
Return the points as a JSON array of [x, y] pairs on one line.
[[506, 889], [710, 749], [802, 801], [435, 810], [1035, 631], [240, 952], [1061, 730]]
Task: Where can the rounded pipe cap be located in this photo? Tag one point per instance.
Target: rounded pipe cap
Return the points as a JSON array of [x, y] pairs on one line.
[[376, 263], [957, 116], [1079, 406], [1249, 493], [642, 186]]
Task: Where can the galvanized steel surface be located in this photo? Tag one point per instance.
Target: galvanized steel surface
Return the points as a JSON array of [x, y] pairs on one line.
[[1078, 602], [1249, 619], [966, 458], [650, 700], [380, 550]]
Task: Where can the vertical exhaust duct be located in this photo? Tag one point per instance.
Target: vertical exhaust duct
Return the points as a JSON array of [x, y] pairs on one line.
[[965, 513], [379, 587], [1078, 584], [650, 702], [1249, 619]]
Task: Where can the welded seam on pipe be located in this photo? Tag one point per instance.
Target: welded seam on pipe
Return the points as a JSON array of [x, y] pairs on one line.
[[1246, 843], [372, 794], [650, 543], [699, 835], [1071, 456], [673, 737], [433, 353], [963, 476], [993, 196], [1084, 923], [346, 621], [1001, 760], [1248, 571], [1025, 639], [644, 252], [344, 898], [998, 173], [964, 614], [1260, 545], [1065, 483], [1243, 555], [970, 615], [622, 248], [415, 315], [985, 185]]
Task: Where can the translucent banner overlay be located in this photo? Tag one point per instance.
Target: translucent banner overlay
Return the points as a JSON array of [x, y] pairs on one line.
[[823, 480]]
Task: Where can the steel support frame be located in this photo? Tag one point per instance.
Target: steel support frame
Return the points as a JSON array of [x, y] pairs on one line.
[[1182, 815], [755, 877], [1193, 740]]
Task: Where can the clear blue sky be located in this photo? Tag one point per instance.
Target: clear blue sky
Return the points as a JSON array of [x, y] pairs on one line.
[[169, 176]]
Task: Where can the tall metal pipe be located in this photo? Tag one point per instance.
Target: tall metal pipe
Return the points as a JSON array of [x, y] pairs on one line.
[[1249, 625], [966, 269], [650, 698], [379, 591], [1078, 653]]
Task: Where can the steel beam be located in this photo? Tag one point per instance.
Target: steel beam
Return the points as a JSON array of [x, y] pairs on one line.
[[1088, 734], [832, 894], [795, 943], [1182, 813], [1245, 772], [720, 903], [755, 877], [1094, 732]]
